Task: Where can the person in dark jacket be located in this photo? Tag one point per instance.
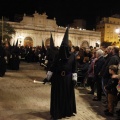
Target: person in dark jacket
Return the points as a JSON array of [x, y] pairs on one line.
[[97, 68], [105, 71], [63, 75], [112, 59]]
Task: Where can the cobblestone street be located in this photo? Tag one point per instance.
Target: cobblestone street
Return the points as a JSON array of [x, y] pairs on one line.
[[22, 99]]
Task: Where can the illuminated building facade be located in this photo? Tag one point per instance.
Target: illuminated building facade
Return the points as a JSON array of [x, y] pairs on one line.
[[33, 29]]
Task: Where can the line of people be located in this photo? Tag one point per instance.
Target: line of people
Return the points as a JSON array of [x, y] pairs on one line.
[[9, 58]]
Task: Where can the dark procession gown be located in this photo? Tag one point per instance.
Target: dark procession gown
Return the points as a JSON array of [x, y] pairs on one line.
[[63, 102]]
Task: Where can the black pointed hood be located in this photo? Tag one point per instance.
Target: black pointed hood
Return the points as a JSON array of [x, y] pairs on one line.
[[12, 47], [65, 39], [52, 50], [51, 42], [9, 44], [43, 47], [15, 49], [64, 52], [43, 50], [17, 43], [13, 43]]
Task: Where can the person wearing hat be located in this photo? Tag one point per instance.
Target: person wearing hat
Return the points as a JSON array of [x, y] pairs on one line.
[[63, 77]]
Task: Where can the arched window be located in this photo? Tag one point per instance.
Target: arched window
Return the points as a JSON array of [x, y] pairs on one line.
[[85, 44], [28, 41]]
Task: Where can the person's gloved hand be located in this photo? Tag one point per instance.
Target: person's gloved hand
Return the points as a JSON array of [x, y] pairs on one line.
[[48, 77], [46, 62], [74, 78], [45, 80]]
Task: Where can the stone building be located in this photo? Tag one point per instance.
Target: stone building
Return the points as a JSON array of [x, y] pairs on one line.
[[110, 29], [33, 29]]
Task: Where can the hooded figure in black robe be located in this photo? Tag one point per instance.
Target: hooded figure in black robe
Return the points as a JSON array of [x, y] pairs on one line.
[[3, 65], [42, 54], [63, 77], [29, 54], [14, 58], [50, 54], [7, 53]]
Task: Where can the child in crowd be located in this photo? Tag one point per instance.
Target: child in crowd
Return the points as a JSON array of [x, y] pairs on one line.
[[111, 89], [118, 95]]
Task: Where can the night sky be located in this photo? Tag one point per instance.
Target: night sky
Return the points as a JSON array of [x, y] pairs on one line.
[[65, 11]]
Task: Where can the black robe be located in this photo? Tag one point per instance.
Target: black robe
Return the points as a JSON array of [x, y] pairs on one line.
[[3, 66], [14, 62], [63, 103]]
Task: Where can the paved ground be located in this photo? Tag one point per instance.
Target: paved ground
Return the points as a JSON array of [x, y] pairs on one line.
[[22, 99]]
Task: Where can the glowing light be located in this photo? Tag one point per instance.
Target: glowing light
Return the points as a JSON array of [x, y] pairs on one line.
[[117, 30], [35, 81]]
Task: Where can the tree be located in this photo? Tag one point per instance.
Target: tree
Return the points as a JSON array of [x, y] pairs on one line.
[[6, 30]]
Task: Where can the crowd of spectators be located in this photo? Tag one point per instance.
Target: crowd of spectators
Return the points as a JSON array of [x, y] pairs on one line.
[[99, 69]]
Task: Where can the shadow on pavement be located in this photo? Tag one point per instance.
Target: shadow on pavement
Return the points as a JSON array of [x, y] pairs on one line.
[[41, 115]]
